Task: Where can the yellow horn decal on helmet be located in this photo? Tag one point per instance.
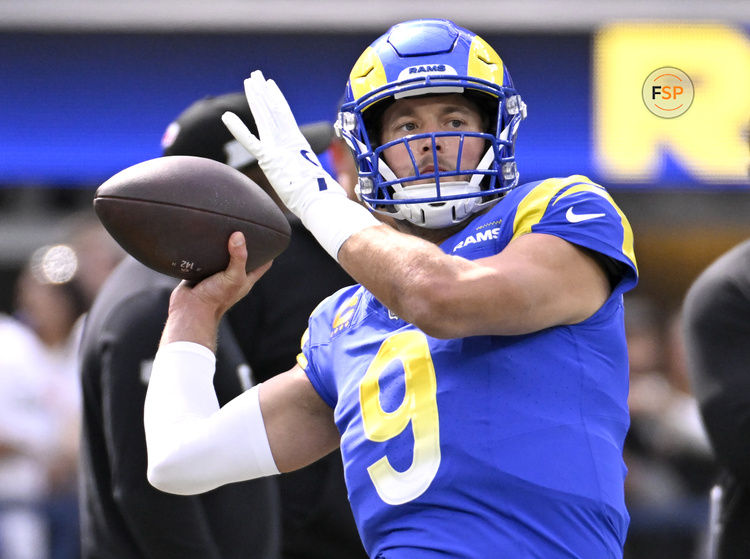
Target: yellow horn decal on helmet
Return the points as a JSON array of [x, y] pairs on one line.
[[484, 62], [368, 74]]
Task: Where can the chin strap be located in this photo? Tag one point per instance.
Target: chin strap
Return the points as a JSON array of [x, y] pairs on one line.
[[483, 165], [435, 215]]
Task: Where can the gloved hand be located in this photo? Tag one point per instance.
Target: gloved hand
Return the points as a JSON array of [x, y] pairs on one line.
[[293, 169], [285, 156]]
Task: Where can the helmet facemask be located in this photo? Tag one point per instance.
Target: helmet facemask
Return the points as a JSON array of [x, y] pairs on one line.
[[444, 192]]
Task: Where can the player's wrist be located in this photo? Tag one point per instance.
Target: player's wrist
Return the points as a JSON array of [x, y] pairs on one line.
[[191, 321], [333, 219]]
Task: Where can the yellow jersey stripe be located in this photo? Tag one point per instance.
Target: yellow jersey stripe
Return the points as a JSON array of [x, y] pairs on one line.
[[627, 232], [533, 207], [345, 312], [302, 360]]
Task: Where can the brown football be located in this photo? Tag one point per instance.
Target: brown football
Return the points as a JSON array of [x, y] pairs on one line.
[[175, 214]]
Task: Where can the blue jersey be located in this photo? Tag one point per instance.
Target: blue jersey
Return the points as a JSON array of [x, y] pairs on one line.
[[486, 446]]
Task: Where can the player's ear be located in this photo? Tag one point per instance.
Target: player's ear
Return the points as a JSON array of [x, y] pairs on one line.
[[344, 166]]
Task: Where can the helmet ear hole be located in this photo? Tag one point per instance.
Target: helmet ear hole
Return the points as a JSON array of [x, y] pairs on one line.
[[488, 107], [373, 118]]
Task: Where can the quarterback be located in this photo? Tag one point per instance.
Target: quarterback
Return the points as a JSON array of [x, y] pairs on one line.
[[476, 377]]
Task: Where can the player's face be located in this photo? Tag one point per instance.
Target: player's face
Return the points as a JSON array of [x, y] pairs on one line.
[[436, 113]]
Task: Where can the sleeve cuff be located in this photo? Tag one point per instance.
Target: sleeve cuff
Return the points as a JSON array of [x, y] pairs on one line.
[[185, 348]]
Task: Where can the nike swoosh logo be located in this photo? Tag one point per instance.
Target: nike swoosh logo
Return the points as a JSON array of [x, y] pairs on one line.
[[576, 218], [306, 154]]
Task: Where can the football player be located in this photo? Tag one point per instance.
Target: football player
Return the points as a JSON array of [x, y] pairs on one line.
[[476, 378]]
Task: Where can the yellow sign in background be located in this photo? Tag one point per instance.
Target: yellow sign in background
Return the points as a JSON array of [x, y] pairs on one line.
[[710, 141]]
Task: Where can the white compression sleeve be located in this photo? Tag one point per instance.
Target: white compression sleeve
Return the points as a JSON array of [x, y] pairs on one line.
[[333, 219], [193, 445]]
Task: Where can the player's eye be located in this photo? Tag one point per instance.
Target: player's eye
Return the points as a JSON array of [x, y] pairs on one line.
[[407, 127]]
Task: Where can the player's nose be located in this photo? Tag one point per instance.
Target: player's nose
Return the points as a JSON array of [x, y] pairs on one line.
[[429, 143]]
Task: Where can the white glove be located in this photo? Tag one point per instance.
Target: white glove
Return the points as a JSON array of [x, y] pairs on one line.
[[293, 169]]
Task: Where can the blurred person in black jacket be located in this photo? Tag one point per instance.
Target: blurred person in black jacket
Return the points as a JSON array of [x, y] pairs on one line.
[[122, 516], [305, 514], [716, 315]]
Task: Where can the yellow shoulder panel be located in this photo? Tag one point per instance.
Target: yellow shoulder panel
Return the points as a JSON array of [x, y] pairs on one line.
[[532, 208]]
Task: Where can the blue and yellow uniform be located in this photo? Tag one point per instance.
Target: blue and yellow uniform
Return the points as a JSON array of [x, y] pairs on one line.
[[486, 446]]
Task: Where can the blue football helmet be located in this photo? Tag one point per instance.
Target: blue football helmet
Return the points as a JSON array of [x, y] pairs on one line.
[[431, 57]]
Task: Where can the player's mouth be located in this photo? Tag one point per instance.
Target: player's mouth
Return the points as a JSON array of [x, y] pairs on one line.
[[428, 167], [425, 170]]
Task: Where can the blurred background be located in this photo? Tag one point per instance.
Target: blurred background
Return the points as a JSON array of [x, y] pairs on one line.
[[87, 88]]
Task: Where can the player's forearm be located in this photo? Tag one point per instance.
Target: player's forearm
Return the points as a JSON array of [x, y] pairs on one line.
[[410, 276], [452, 297], [191, 323]]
